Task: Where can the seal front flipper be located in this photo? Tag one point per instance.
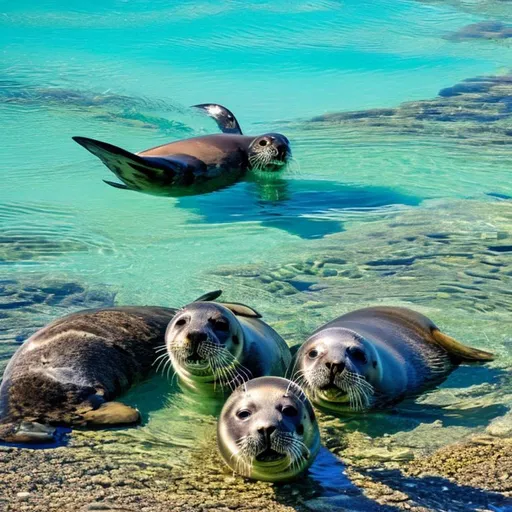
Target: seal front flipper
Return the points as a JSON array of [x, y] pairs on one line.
[[111, 413], [141, 172], [209, 296], [225, 119], [27, 432]]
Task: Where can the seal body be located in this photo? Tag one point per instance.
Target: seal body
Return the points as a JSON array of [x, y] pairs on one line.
[[267, 430], [197, 165], [68, 372], [214, 347], [375, 357]]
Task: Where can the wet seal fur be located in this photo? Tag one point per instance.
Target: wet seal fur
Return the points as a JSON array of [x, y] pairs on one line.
[[375, 357], [214, 347], [267, 430], [197, 165], [69, 372]]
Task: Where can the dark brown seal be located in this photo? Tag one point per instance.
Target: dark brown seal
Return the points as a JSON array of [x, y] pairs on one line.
[[197, 165], [69, 372]]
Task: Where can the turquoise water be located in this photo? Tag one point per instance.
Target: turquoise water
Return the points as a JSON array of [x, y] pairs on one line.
[[126, 71]]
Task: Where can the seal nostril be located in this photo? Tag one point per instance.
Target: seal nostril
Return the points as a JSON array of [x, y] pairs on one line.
[[270, 430], [196, 337]]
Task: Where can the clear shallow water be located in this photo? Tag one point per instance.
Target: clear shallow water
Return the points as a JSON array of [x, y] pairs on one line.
[[125, 73]]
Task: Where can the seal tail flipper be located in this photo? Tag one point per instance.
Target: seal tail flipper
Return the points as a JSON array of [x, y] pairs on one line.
[[27, 432], [138, 172], [224, 118], [460, 351], [111, 413]]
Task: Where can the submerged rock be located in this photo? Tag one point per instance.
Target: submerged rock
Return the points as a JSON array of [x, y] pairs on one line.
[[482, 30], [474, 111]]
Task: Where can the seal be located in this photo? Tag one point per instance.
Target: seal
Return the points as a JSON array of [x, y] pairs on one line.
[[197, 165], [267, 430], [375, 357], [214, 347], [69, 372]]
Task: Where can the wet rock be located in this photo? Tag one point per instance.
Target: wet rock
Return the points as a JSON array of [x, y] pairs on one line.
[[476, 110], [501, 427]]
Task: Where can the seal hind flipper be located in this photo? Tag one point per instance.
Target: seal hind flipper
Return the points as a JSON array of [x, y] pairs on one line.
[[27, 432], [112, 413], [460, 351], [225, 119], [209, 296], [241, 309], [137, 172], [116, 185]]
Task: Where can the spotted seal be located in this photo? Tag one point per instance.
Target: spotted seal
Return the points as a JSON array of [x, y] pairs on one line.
[[69, 372], [375, 357], [216, 346], [197, 165], [267, 430]]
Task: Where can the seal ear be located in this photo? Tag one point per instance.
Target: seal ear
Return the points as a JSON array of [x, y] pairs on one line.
[[209, 296], [460, 351], [241, 309], [224, 118]]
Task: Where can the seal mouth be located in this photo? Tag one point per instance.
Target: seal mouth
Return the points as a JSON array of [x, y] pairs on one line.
[[332, 393], [269, 455], [195, 361]]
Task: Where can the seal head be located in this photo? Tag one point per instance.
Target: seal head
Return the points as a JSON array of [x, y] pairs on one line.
[[205, 341], [336, 367], [267, 430], [269, 152]]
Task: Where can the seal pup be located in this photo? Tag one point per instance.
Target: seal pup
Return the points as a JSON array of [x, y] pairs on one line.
[[197, 165], [69, 372], [267, 430], [214, 347], [375, 357]]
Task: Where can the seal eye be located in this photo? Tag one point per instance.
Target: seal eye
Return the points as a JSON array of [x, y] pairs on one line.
[[221, 325], [313, 353], [357, 354], [181, 322], [263, 142], [290, 411], [243, 414]]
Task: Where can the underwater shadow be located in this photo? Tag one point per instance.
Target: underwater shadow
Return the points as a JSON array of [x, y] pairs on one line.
[[438, 493], [306, 208], [326, 487]]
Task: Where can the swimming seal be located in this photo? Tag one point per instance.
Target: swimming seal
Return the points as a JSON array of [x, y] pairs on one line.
[[197, 165], [68, 372], [375, 357], [267, 430], [215, 346]]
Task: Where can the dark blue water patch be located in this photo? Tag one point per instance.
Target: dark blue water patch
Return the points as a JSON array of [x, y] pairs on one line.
[[500, 248], [305, 208], [499, 195], [438, 493]]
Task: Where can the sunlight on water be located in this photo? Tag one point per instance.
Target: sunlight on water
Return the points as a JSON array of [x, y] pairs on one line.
[[381, 207]]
